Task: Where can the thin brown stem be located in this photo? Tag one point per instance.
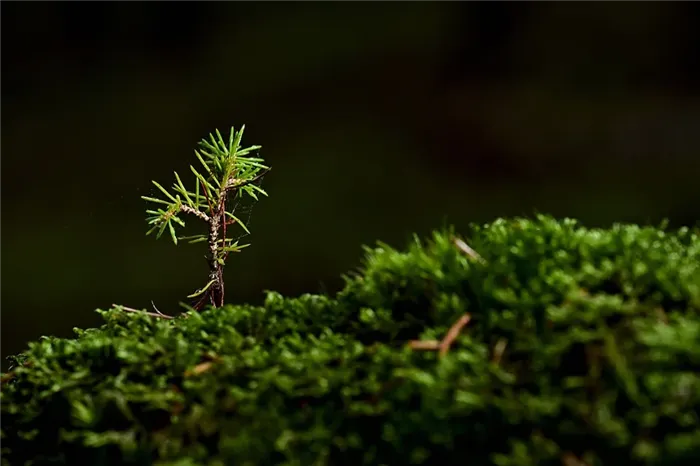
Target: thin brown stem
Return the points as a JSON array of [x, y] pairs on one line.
[[453, 333], [466, 249], [218, 224], [214, 266], [444, 345], [201, 302], [215, 291], [224, 223], [424, 344], [156, 309]]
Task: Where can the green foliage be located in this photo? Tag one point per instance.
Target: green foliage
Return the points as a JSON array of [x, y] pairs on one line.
[[230, 175], [599, 362], [227, 168]]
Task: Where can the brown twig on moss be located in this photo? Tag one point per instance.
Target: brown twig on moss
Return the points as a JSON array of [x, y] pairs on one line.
[[466, 249], [453, 332], [443, 345], [199, 369], [424, 344], [203, 366]]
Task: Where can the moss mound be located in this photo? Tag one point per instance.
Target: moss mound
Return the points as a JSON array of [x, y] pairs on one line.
[[583, 348]]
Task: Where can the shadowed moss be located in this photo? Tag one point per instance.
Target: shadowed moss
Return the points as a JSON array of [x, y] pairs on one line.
[[583, 345]]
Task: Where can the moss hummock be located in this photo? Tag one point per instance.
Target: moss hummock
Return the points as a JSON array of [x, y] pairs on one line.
[[582, 348]]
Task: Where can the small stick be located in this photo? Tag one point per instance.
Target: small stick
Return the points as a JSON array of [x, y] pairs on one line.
[[453, 333], [203, 366], [465, 248], [158, 311], [152, 314], [446, 342], [199, 369], [424, 344]]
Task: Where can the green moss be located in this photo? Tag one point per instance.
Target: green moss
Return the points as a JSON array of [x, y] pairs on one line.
[[599, 332]]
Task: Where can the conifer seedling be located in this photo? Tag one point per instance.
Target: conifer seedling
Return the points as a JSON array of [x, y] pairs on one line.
[[228, 174]]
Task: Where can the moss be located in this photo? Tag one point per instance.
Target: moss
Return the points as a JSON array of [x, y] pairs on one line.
[[583, 345]]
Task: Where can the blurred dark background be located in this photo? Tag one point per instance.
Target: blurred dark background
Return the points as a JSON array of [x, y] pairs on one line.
[[379, 119]]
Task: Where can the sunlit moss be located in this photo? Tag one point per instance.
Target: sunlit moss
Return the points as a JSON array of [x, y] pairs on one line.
[[583, 345]]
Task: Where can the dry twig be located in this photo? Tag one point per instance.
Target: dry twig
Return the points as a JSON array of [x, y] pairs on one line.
[[199, 368], [158, 310], [466, 249], [444, 345], [453, 333], [424, 344], [141, 311], [204, 366]]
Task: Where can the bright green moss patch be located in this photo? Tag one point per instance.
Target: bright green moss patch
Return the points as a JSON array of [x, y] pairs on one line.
[[583, 345]]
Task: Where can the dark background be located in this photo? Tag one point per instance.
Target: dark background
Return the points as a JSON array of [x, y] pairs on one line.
[[379, 119]]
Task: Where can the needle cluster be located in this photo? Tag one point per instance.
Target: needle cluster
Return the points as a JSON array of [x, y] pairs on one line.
[[228, 173]]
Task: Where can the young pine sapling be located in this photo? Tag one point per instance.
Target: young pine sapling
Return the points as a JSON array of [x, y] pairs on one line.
[[229, 173]]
